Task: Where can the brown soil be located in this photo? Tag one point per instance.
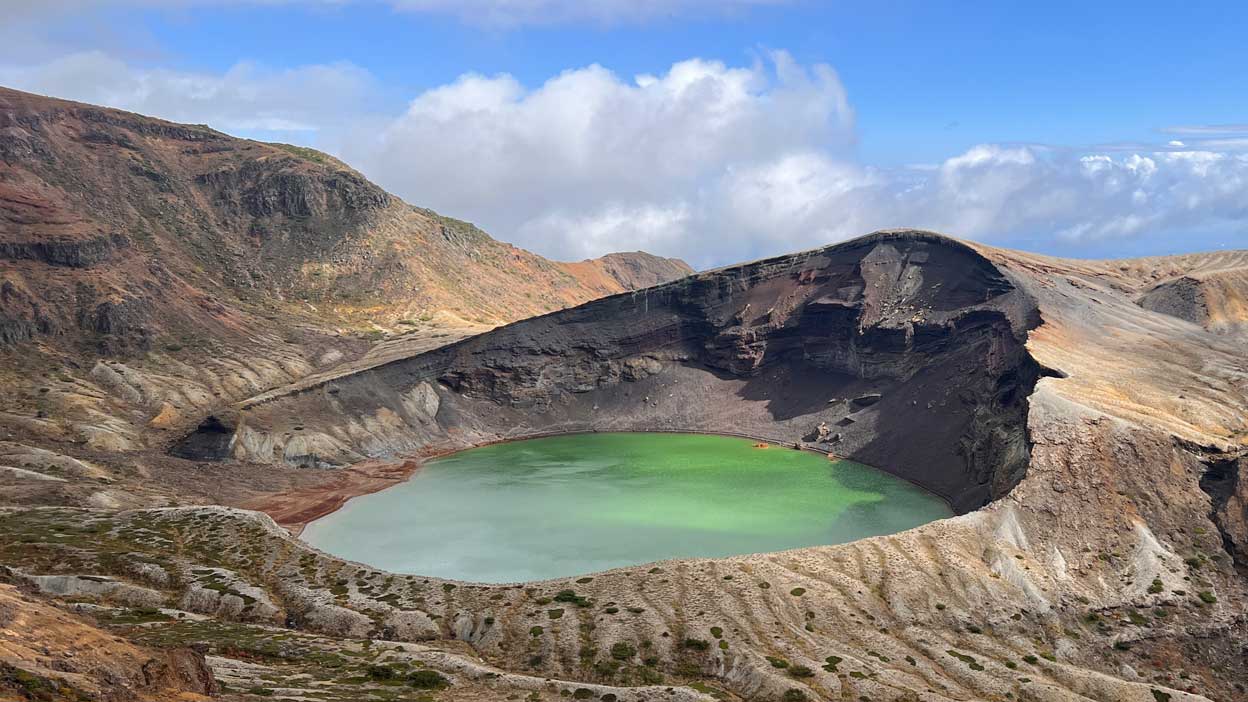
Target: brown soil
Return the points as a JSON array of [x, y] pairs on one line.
[[296, 508]]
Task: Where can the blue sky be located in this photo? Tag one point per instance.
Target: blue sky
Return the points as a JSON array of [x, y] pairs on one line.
[[1027, 95]]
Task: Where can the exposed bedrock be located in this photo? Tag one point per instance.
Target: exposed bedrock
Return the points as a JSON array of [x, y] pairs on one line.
[[903, 350], [1213, 299]]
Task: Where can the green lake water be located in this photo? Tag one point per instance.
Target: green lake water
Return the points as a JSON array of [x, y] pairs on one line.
[[565, 505]]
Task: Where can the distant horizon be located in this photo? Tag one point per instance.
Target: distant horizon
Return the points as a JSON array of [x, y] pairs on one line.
[[713, 132]]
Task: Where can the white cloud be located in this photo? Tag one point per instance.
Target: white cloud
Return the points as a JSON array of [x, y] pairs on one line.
[[246, 98], [706, 161], [588, 145]]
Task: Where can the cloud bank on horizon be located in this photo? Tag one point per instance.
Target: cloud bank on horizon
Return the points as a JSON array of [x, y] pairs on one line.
[[706, 161]]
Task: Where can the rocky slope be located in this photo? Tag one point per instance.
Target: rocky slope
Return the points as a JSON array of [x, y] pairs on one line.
[[151, 271], [1095, 446]]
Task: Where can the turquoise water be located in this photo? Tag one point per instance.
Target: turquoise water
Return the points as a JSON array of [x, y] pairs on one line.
[[578, 503]]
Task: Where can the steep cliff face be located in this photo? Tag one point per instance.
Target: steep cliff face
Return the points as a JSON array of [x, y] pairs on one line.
[[902, 333]]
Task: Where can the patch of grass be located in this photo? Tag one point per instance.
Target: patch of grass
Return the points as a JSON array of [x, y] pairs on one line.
[[968, 660], [36, 687], [801, 671], [1207, 597], [777, 662], [622, 651], [705, 689], [830, 663]]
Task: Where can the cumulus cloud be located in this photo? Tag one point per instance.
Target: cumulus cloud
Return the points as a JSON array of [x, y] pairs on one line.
[[707, 161], [716, 163], [558, 165]]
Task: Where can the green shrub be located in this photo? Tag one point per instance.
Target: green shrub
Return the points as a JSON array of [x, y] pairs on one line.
[[607, 668], [801, 671], [622, 651], [381, 672], [650, 676], [1207, 597], [794, 695], [797, 591], [688, 669], [427, 680], [777, 662], [697, 644], [572, 598]]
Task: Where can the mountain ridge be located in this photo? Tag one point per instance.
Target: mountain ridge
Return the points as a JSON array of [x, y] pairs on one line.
[[83, 188]]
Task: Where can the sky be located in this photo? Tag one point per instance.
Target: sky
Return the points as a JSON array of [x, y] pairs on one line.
[[712, 130]]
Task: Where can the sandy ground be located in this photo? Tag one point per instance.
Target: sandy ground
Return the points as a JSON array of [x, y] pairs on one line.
[[296, 508]]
